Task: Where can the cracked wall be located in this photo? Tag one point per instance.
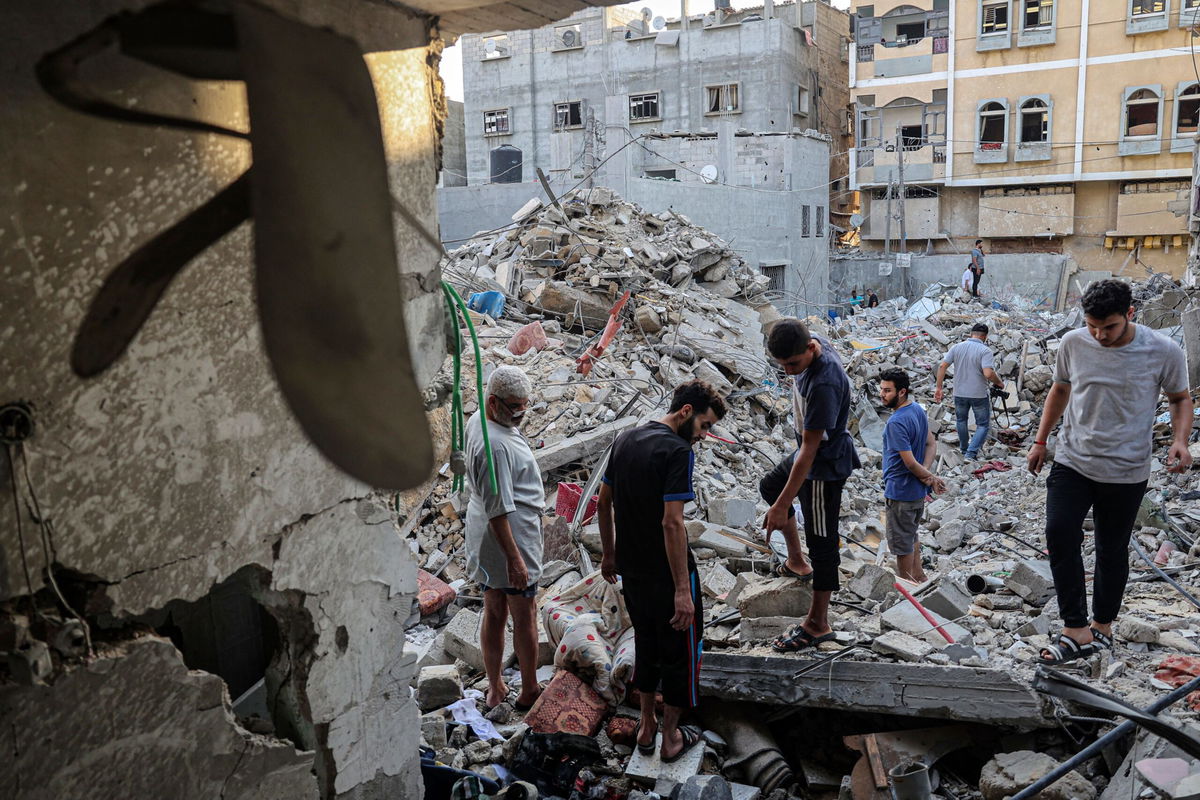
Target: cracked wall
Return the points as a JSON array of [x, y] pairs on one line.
[[181, 464]]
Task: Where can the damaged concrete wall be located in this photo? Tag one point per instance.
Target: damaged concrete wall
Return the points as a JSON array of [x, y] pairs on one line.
[[181, 464], [1033, 277]]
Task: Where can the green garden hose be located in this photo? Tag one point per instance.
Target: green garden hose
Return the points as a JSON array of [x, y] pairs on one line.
[[451, 294]]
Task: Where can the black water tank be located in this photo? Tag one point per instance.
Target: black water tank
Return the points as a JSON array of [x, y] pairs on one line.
[[506, 164]]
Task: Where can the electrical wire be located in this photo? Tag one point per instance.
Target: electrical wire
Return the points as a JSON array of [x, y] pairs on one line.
[[12, 479]]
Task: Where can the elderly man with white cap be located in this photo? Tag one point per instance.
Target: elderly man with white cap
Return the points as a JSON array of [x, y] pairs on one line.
[[504, 533]]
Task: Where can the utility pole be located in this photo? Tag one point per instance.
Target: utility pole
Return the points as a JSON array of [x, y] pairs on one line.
[[887, 230], [589, 147], [900, 175]]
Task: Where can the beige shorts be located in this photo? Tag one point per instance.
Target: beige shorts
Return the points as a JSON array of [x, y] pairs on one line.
[[903, 519]]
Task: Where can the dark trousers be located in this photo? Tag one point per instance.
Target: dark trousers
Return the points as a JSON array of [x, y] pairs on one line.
[[1114, 506], [821, 502], [663, 655], [975, 276]]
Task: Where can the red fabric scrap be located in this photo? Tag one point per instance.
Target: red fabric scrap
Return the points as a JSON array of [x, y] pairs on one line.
[[1178, 670], [992, 466]]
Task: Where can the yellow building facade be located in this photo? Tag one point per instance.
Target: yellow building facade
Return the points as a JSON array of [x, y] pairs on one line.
[[1036, 125]]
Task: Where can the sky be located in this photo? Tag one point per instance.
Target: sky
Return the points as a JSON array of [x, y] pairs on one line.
[[451, 67]]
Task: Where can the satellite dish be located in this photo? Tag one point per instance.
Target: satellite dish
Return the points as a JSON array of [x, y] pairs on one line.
[[856, 220], [709, 173], [569, 37], [658, 24], [489, 46], [647, 12]]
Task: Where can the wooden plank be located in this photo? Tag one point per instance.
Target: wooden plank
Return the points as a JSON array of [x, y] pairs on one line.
[[971, 694], [871, 746]]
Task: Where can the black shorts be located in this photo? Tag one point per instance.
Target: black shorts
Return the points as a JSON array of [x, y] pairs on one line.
[[661, 653], [821, 502]]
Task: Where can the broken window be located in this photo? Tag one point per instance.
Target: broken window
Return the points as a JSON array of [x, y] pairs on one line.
[[774, 273], [644, 106], [991, 126], [495, 47], [1140, 8], [568, 37], [722, 98], [1188, 109], [1141, 113], [802, 100], [495, 122], [568, 115], [994, 18], [912, 137], [1035, 121], [805, 227], [662, 174], [1037, 13]]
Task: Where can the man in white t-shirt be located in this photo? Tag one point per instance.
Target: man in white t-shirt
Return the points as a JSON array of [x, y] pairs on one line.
[[965, 282], [1107, 380]]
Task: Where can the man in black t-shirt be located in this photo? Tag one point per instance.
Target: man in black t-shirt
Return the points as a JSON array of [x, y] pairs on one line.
[[817, 472], [645, 486]]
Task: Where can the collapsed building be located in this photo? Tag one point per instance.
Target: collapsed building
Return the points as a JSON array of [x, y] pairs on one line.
[[951, 692]]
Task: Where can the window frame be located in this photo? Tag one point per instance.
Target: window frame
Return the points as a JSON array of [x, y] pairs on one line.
[[1146, 22], [1040, 34], [992, 40], [557, 46], [1140, 144], [1037, 150], [1189, 16], [507, 111], [569, 126], [819, 222], [991, 155], [803, 101], [719, 86], [805, 224], [657, 94], [499, 56], [1183, 143]]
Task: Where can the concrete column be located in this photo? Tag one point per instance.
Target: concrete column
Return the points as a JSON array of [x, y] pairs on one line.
[[615, 173], [1191, 344], [726, 153]]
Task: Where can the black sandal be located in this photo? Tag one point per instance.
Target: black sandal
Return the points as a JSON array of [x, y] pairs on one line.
[[1102, 640], [644, 749], [798, 639], [691, 736], [782, 570], [1066, 649]]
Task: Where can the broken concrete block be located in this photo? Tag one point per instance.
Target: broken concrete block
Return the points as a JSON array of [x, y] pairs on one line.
[[872, 582], [705, 371], [524, 211], [716, 580], [734, 512], [705, 787], [904, 617], [561, 298], [901, 645], [438, 687], [704, 534], [950, 535], [776, 597], [582, 445], [764, 629], [741, 581], [647, 318], [1009, 773], [1037, 626], [433, 730], [462, 640], [948, 599], [1032, 581], [1132, 629]]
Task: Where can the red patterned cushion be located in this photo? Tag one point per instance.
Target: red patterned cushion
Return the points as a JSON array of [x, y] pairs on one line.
[[568, 705]]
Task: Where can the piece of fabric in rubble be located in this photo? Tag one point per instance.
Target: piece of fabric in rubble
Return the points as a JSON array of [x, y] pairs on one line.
[[592, 635]]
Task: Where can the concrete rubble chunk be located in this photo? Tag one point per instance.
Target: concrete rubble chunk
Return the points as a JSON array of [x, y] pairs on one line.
[[901, 645], [777, 597], [648, 320], [582, 445], [734, 512], [438, 686], [462, 640], [1009, 773], [948, 599], [704, 534], [1133, 629], [1032, 582], [716, 580], [904, 617], [764, 629], [705, 787], [872, 582]]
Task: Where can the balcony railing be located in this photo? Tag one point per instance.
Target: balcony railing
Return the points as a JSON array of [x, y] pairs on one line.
[[866, 52]]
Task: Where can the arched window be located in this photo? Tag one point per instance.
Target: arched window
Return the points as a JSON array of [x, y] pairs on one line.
[[1035, 121], [1142, 113], [1187, 114], [991, 126]]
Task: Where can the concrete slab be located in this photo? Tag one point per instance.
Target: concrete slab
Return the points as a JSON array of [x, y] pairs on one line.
[[582, 445], [649, 769], [970, 694]]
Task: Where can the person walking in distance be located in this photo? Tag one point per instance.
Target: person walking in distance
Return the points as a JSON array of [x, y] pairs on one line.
[[872, 298], [908, 453], [974, 369], [976, 266], [816, 472], [1107, 381], [643, 490], [504, 532]]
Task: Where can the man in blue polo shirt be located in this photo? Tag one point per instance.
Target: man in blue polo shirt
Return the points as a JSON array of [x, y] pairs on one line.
[[908, 452]]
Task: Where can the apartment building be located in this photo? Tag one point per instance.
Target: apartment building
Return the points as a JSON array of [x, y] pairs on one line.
[[1043, 126], [544, 98]]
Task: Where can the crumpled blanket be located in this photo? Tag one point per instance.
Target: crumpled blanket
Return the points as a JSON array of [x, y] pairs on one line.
[[592, 634]]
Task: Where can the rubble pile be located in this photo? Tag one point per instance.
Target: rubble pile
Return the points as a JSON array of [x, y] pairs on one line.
[[695, 309]]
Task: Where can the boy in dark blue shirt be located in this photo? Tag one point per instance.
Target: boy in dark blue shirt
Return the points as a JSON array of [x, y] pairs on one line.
[[908, 451]]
